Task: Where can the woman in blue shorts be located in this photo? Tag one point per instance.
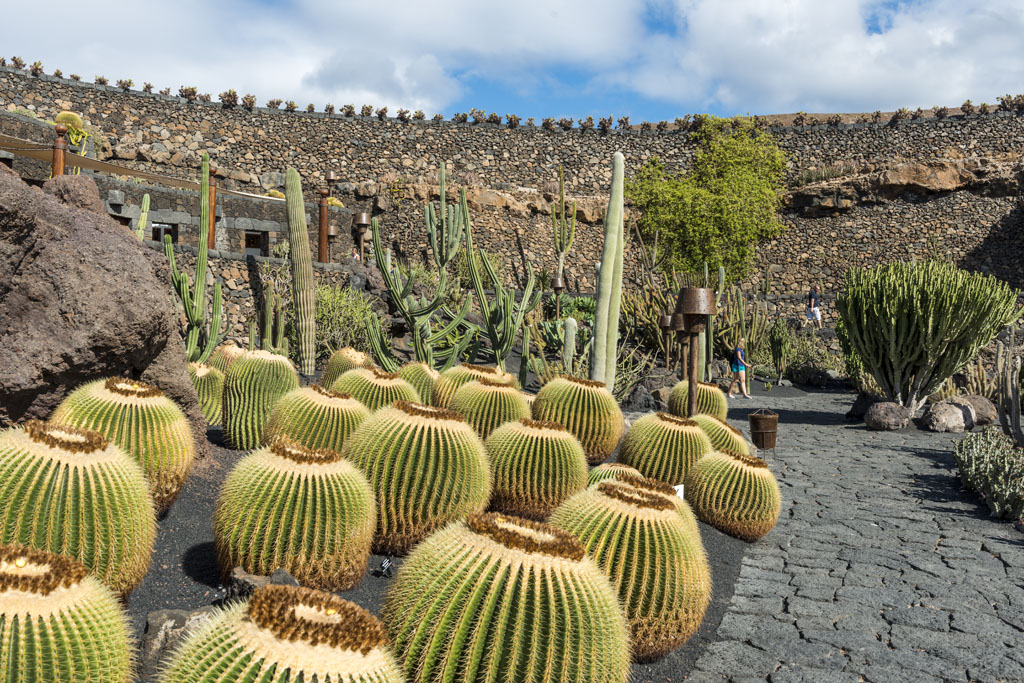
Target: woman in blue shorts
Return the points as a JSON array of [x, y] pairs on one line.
[[738, 365]]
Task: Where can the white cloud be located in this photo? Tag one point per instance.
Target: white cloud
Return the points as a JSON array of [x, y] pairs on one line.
[[736, 56]]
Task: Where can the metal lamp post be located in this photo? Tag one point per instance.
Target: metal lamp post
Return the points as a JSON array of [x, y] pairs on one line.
[[323, 253], [361, 222], [693, 306], [558, 285], [665, 323]]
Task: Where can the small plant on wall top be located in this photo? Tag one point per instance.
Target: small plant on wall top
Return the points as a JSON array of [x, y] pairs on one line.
[[366, 110], [290, 106], [229, 98], [189, 92], [100, 80], [274, 103]]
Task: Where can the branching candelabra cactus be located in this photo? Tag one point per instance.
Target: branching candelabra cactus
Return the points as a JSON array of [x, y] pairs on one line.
[[200, 340], [445, 237], [140, 227], [609, 283], [563, 228], [1009, 382], [303, 286]]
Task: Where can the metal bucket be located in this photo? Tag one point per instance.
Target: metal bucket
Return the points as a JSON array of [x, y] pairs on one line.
[[764, 428]]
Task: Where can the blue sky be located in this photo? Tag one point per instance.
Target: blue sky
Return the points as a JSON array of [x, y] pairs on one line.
[[648, 59]]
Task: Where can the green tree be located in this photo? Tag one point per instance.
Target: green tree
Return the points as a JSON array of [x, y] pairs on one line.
[[718, 210]]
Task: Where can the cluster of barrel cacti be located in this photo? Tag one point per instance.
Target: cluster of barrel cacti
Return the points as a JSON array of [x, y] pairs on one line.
[[375, 388], [587, 409], [487, 404], [315, 417], [253, 384]]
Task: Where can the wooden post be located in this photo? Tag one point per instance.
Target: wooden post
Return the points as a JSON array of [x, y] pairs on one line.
[[60, 147], [322, 247], [212, 238]]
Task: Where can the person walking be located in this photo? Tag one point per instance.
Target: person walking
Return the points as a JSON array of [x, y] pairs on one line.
[[814, 307], [738, 365]]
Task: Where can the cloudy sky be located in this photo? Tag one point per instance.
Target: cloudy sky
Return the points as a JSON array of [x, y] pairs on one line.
[[650, 60]]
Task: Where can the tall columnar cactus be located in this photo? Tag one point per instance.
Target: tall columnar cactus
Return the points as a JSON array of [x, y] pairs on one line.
[[1008, 383], [780, 342], [303, 286], [587, 409], [562, 227], [308, 511], [609, 283], [200, 339], [449, 381], [375, 388], [422, 377], [569, 344], [706, 339], [59, 625], [609, 470], [444, 236], [136, 416], [487, 405], [914, 324], [724, 437], [664, 446], [736, 494], [426, 466], [657, 565], [286, 634], [252, 385], [317, 418], [535, 466], [343, 360], [503, 317], [711, 400], [225, 355], [209, 384], [73, 492], [498, 598], [142, 224], [272, 338]]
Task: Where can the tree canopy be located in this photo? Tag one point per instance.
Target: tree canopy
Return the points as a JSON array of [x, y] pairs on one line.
[[718, 210]]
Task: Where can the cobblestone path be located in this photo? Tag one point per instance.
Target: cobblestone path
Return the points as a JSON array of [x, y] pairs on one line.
[[881, 569]]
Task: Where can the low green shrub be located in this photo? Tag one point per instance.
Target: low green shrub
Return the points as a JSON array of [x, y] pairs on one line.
[[809, 353], [992, 466], [341, 314]]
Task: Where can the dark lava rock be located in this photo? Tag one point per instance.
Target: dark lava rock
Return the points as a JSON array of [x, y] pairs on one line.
[[244, 584], [640, 400], [984, 410], [886, 416], [164, 630], [76, 191], [861, 405], [81, 298], [948, 416]]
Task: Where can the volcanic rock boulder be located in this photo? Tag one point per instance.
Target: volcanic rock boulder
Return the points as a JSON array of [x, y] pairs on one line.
[[81, 298], [886, 416]]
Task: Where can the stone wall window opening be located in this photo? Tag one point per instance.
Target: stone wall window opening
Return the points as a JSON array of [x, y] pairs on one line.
[[161, 229], [257, 243]]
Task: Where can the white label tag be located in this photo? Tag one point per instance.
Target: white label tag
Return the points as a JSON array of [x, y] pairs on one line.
[[679, 491]]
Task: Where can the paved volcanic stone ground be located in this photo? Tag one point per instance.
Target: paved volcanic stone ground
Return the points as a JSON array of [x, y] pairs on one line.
[[882, 567]]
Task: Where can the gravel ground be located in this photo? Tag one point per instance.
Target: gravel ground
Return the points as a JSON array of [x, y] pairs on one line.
[[881, 568]]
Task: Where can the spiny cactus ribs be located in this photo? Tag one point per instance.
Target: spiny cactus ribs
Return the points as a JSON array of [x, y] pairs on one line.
[[209, 384], [724, 437], [286, 634], [449, 381], [658, 566], [57, 624], [422, 377], [375, 388], [224, 356], [137, 417], [73, 492], [535, 466], [711, 400], [426, 467], [735, 493], [343, 360], [488, 404], [317, 418], [253, 384], [587, 409], [310, 512], [664, 446], [497, 580], [609, 470]]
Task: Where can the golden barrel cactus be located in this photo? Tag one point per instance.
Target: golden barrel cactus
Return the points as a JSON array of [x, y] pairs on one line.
[[609, 470], [488, 405], [137, 417], [449, 381], [737, 494], [422, 377], [252, 385], [587, 409], [317, 418], [723, 436], [225, 355], [209, 384], [375, 388], [711, 400], [343, 360], [664, 446]]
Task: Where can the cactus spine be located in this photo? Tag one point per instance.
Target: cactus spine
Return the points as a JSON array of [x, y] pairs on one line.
[[140, 226], [343, 360], [659, 567], [487, 405], [286, 634], [609, 284], [664, 446], [422, 377], [535, 466], [225, 355], [375, 388], [74, 492], [711, 400], [316, 418], [137, 417], [449, 381], [57, 624], [497, 599], [310, 512], [426, 466], [252, 385], [609, 470], [724, 437], [569, 344], [737, 494], [209, 384], [587, 409], [303, 286], [200, 340]]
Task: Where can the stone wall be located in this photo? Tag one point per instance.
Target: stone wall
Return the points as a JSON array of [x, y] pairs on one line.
[[920, 186]]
